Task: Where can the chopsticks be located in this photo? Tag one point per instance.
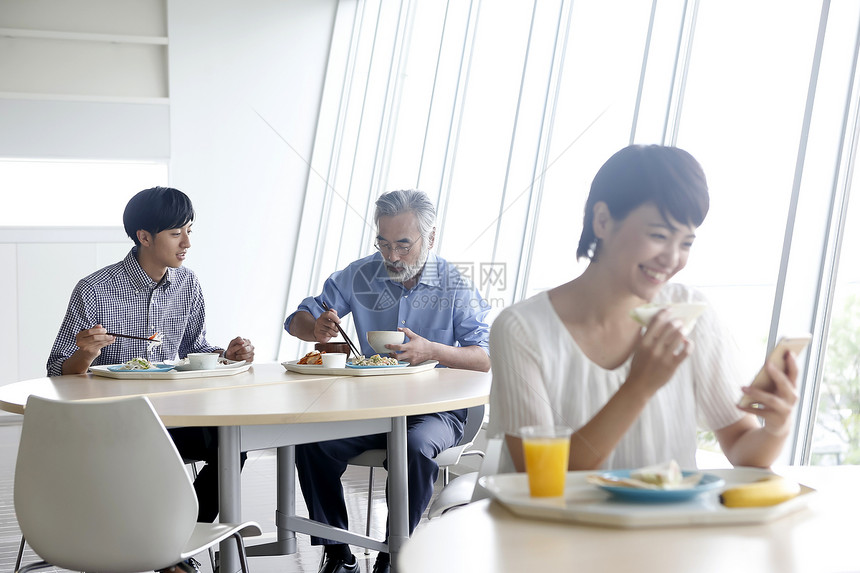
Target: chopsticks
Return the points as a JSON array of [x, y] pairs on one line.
[[355, 352], [134, 337]]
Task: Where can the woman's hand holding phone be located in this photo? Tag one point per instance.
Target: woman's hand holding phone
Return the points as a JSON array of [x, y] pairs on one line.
[[772, 394], [793, 344]]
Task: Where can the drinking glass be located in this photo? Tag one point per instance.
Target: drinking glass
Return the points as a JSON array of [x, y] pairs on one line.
[[547, 451]]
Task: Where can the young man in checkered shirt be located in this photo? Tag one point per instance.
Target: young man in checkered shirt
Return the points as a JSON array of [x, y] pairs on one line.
[[148, 292]]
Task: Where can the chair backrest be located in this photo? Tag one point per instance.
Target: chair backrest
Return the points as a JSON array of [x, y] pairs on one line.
[[489, 467], [100, 486], [474, 421]]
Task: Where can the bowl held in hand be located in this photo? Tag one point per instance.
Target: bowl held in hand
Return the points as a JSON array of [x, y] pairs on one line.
[[379, 338]]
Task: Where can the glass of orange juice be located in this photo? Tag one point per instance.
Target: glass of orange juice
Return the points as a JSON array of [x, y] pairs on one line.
[[546, 450]]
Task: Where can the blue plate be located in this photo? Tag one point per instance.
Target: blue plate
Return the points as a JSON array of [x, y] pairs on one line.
[[400, 364], [709, 482], [156, 368]]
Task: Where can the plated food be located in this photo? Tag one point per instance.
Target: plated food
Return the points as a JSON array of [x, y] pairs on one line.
[[767, 491], [312, 357], [616, 484], [138, 364], [660, 476], [375, 360], [351, 370], [584, 502], [662, 482]]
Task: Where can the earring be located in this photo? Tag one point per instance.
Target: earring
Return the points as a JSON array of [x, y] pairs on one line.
[[593, 249]]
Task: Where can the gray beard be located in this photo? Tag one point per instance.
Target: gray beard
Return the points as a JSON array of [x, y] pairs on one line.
[[406, 272]]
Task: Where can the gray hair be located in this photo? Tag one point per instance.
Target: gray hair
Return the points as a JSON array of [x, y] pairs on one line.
[[406, 200]]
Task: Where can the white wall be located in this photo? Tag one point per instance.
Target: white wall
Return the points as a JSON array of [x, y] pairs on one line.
[[227, 62], [231, 63], [41, 268]]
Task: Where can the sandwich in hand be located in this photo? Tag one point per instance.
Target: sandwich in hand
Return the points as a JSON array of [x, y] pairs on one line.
[[687, 312]]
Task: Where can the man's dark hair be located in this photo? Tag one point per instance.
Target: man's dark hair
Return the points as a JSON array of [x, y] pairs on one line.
[[155, 210]]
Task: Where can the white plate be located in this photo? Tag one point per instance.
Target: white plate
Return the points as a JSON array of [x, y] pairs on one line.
[[708, 482], [172, 374], [293, 366], [586, 503], [158, 367]]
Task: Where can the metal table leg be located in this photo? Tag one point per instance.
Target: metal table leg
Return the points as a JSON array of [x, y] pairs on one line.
[[398, 498], [229, 492], [285, 508]]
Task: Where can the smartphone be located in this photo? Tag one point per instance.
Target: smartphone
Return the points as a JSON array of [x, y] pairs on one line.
[[793, 344]]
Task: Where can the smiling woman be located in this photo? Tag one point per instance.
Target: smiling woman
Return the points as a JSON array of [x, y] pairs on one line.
[[574, 356]]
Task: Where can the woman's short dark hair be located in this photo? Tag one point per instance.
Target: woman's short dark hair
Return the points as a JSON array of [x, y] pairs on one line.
[[668, 177], [155, 210]]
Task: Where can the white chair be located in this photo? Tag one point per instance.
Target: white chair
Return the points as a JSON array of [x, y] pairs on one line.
[[193, 465], [465, 489], [100, 487], [446, 458], [189, 463]]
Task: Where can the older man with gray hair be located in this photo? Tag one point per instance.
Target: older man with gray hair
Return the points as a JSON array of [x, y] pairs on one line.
[[406, 287]]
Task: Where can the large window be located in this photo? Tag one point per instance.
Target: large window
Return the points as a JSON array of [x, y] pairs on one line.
[[503, 111], [836, 438]]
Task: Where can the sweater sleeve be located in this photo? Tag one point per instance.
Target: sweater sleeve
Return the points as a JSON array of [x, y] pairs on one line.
[[519, 394], [716, 373]]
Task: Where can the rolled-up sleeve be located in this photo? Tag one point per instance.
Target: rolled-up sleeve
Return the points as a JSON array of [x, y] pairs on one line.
[[78, 317], [470, 319], [332, 294]]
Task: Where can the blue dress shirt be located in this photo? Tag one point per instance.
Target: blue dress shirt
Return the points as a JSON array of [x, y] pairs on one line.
[[442, 307]]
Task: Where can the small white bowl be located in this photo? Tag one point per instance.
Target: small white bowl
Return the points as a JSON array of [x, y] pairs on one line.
[[333, 359], [202, 360], [379, 338]]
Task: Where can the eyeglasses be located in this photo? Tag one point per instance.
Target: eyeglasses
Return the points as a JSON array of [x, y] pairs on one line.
[[384, 248]]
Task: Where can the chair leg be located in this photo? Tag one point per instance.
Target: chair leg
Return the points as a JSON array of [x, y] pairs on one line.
[[369, 507], [34, 567], [193, 465], [20, 555], [243, 558], [212, 559]]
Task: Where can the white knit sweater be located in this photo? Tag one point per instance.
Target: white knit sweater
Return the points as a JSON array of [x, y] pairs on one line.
[[541, 376]]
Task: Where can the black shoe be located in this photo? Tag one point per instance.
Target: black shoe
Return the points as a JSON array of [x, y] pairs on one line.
[[187, 566], [337, 565], [382, 565]]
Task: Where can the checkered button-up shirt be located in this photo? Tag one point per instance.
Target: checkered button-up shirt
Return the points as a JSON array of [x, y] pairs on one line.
[[125, 300]]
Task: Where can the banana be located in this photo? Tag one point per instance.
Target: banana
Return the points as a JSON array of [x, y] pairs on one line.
[[769, 490]]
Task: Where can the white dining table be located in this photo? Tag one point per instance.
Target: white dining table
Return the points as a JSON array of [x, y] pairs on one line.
[[268, 407], [486, 536]]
